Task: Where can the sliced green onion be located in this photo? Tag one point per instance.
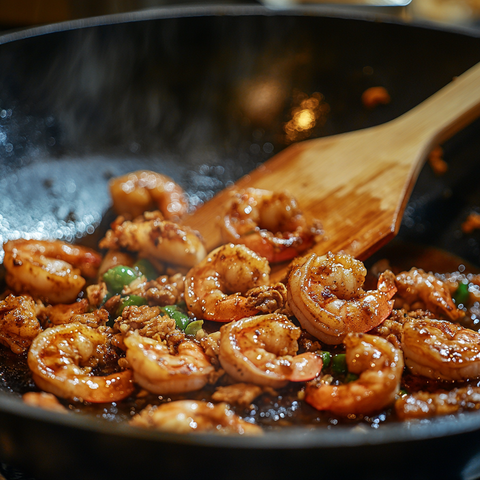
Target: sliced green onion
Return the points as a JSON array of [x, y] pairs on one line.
[[193, 327], [117, 277], [339, 363], [145, 268], [461, 294]]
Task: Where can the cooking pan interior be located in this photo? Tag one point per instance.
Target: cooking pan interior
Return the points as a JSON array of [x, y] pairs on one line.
[[205, 97]]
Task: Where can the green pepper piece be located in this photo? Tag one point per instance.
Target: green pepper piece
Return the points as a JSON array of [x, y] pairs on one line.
[[327, 358], [193, 327], [339, 363], [145, 268], [181, 318], [117, 277], [461, 294], [130, 300]]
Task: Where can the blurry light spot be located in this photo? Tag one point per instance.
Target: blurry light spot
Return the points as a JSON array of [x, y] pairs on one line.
[[262, 100], [268, 147], [367, 70], [308, 113], [134, 147], [8, 147], [51, 142], [254, 149], [305, 119], [258, 134]]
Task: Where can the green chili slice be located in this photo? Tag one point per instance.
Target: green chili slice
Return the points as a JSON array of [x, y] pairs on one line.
[[145, 268], [193, 327], [117, 277], [181, 318], [130, 300]]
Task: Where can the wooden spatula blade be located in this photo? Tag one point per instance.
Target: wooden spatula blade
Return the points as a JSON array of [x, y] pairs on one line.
[[356, 184]]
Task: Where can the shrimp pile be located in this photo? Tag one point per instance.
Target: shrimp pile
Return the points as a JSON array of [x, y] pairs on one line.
[[187, 340]]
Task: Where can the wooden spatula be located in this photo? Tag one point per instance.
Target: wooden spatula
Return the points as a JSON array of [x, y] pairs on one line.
[[357, 184]]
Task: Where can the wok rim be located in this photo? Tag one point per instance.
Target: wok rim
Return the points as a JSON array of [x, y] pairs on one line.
[[368, 14], [296, 438], [290, 438]]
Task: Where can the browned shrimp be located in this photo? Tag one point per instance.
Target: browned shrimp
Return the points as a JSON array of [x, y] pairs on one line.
[[49, 270], [269, 223], [263, 350], [380, 366], [62, 359], [231, 283], [417, 285], [326, 295], [137, 192]]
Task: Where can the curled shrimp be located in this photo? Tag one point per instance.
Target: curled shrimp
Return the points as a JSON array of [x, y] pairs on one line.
[[232, 283], [187, 416], [49, 270], [440, 349], [62, 358], [380, 366], [161, 372], [263, 350], [18, 323], [137, 192], [269, 223], [420, 405], [326, 295], [419, 285], [153, 237]]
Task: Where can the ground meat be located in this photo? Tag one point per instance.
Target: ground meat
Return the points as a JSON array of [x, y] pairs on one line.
[[147, 321]]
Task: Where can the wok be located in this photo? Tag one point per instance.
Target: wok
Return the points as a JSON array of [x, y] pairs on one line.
[[202, 95]]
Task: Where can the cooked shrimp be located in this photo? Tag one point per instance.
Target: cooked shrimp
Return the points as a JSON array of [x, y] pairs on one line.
[[137, 192], [325, 294], [187, 416], [262, 350], [427, 404], [418, 285], [380, 366], [49, 270], [18, 323], [270, 224], [440, 349], [114, 258], [232, 283], [153, 237], [160, 372], [62, 359], [44, 400]]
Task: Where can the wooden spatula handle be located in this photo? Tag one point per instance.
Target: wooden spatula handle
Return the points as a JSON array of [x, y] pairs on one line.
[[447, 111]]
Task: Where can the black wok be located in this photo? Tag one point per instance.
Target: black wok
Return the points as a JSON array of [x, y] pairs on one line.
[[202, 95]]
